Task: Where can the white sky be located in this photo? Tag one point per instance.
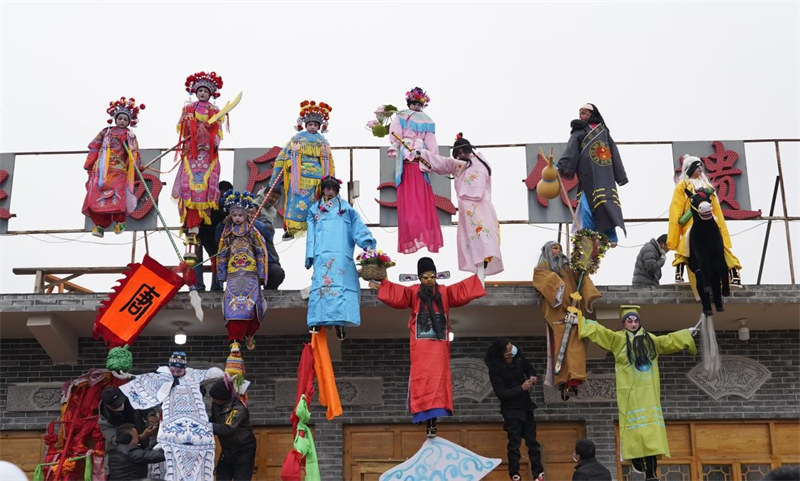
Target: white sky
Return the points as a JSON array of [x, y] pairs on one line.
[[512, 72]]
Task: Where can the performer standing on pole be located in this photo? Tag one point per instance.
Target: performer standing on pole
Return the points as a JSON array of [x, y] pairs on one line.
[[592, 154], [110, 164], [417, 221], [196, 184], [478, 228], [302, 164]]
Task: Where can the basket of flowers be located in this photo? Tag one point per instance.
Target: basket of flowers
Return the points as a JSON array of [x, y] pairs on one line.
[[373, 265], [383, 118]]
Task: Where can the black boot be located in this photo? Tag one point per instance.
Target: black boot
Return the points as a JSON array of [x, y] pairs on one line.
[[340, 333], [679, 273], [430, 428], [650, 468], [736, 280]]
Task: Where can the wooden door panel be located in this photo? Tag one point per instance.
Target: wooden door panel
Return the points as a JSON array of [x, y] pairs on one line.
[[23, 448], [731, 439], [363, 459]]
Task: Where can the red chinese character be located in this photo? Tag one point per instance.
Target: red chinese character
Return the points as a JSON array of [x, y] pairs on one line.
[[719, 168]]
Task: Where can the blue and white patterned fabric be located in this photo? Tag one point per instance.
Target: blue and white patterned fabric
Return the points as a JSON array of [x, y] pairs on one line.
[[439, 459]]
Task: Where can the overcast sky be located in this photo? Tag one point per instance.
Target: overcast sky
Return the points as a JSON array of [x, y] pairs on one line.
[[511, 72]]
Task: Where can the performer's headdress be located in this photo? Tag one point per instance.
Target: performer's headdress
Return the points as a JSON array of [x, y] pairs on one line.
[[595, 117], [311, 111], [627, 311], [331, 181], [417, 95], [461, 144], [124, 106], [555, 263], [425, 264], [211, 81], [587, 106], [235, 199], [178, 359]]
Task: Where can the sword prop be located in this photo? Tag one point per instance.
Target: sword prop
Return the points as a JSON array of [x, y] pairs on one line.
[[410, 149], [162, 155], [227, 108], [570, 320]]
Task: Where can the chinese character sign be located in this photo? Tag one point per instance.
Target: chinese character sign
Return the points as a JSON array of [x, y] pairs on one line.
[[724, 164], [145, 289]]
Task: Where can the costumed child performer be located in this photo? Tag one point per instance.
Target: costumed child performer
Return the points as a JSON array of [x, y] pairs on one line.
[[111, 162], [242, 266], [303, 162], [334, 229]]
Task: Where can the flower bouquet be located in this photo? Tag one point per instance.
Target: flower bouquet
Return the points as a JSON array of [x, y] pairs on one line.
[[383, 116], [373, 265]]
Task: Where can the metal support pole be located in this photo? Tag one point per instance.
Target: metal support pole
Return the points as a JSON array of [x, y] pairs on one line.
[[133, 247], [769, 228], [785, 212]]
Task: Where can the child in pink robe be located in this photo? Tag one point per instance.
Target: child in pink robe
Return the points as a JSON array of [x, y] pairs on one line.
[[478, 229], [417, 220]]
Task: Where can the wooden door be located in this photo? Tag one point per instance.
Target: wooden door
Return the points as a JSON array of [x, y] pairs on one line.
[[371, 450], [23, 448]]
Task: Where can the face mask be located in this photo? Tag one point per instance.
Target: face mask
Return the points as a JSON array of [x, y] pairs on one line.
[[514, 350]]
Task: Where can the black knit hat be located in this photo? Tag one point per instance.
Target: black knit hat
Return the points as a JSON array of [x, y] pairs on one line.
[[220, 391], [112, 397], [425, 264]]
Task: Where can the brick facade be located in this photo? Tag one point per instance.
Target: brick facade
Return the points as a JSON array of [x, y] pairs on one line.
[[24, 361]]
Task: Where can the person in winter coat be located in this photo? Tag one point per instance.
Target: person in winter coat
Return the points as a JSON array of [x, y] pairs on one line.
[[128, 460], [512, 378], [647, 271], [230, 420], [588, 467]]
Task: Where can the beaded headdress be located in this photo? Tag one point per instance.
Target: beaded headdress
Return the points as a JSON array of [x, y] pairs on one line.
[[211, 81], [418, 95], [124, 106], [236, 199], [311, 111], [178, 359]]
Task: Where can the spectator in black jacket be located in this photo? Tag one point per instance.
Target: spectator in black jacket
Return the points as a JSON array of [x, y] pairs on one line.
[[127, 460], [512, 378], [588, 467], [231, 422], [647, 271], [210, 241]]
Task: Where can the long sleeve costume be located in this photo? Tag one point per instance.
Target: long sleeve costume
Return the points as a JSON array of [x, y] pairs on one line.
[[593, 155], [678, 234], [478, 234], [110, 186], [417, 220], [556, 289], [430, 384], [334, 229], [641, 421], [196, 186], [242, 266], [304, 161], [185, 433]]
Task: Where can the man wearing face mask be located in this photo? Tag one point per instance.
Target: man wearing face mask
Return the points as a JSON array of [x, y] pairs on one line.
[[116, 411], [512, 378], [588, 467]]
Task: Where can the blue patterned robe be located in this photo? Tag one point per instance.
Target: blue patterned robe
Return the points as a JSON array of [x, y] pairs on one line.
[[304, 161], [334, 229], [185, 433]]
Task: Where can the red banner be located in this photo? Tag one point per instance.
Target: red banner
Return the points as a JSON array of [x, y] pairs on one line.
[[145, 289]]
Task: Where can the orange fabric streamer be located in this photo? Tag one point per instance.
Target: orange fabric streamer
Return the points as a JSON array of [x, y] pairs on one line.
[[328, 393]]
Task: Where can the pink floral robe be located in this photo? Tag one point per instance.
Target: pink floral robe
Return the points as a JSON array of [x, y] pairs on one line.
[[478, 229]]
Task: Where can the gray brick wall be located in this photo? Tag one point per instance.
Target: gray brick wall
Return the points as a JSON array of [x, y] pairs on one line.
[[23, 361]]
